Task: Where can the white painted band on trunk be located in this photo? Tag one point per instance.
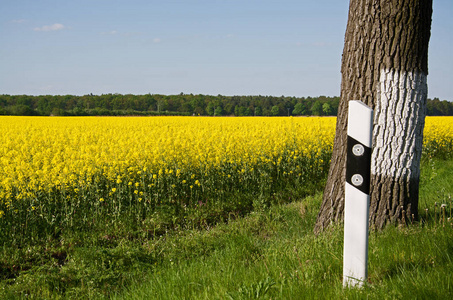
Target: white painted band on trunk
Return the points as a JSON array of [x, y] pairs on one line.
[[398, 124]]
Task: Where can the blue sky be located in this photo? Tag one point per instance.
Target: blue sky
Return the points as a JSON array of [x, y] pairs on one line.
[[228, 47]]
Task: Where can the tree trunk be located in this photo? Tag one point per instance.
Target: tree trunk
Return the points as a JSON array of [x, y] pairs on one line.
[[385, 65]]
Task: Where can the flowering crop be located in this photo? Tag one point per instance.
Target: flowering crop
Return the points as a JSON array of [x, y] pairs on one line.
[[47, 153], [57, 170], [60, 171], [438, 136]]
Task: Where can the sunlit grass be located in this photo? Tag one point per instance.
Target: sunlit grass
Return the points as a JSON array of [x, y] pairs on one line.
[[171, 208]]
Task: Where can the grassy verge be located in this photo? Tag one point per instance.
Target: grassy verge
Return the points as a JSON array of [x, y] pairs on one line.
[[270, 253], [273, 254]]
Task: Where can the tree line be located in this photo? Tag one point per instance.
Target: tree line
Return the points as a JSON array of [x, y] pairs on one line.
[[181, 104], [155, 104]]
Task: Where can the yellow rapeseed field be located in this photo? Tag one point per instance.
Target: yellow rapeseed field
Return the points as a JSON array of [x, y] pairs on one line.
[[40, 154], [438, 136]]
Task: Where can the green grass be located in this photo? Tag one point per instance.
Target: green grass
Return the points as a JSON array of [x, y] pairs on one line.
[[436, 188], [270, 253], [274, 255]]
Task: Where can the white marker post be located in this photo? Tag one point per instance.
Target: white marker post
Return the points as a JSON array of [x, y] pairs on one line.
[[357, 194]]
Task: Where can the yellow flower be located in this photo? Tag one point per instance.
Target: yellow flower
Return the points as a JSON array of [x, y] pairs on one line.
[[39, 155], [101, 200]]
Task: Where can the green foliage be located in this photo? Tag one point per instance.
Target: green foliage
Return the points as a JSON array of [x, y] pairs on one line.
[[316, 109], [19, 110], [154, 104], [218, 111], [275, 111], [258, 111], [182, 104], [436, 107], [326, 109], [299, 109]]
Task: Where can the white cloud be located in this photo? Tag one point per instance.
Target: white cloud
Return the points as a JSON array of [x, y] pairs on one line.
[[157, 40], [54, 27]]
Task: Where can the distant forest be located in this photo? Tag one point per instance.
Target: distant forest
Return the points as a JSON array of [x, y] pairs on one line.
[[182, 104]]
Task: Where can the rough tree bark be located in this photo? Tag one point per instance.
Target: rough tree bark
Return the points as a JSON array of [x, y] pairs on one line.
[[385, 65]]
